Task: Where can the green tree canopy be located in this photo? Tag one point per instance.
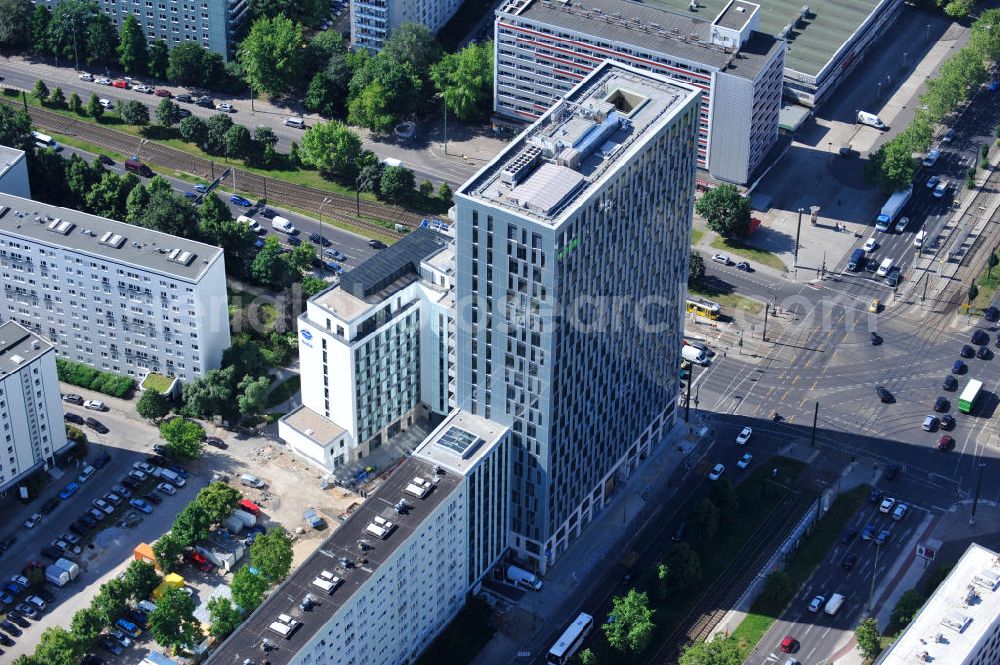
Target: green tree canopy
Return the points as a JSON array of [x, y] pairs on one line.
[[193, 130], [683, 567], [225, 617], [94, 108], [134, 113], [87, 625], [696, 268], [332, 148], [140, 580], [58, 646], [892, 167], [168, 113], [172, 623], [414, 44], [271, 554], [68, 29], [703, 522], [15, 23], [40, 91], [40, 21], [210, 395], [720, 651], [187, 64], [381, 91], [396, 183], [252, 394], [724, 497], [132, 52], [153, 405], [630, 623], [168, 550], [159, 59], [218, 500], [247, 589], [15, 129], [907, 607], [869, 639], [307, 12], [215, 133], [102, 40], [465, 80], [271, 266], [110, 602], [185, 438], [238, 142], [272, 55], [725, 210]]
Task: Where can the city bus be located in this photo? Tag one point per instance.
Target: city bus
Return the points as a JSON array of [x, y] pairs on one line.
[[44, 141], [967, 400], [702, 307], [569, 642]]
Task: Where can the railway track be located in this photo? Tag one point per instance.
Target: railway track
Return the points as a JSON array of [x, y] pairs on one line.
[[339, 207], [735, 580]]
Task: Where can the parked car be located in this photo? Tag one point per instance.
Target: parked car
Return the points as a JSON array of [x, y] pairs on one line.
[[167, 489], [886, 505], [723, 259], [32, 521], [96, 425], [73, 398], [9, 627], [130, 483], [991, 314], [183, 98], [87, 520], [716, 471], [744, 461], [163, 92], [128, 627], [113, 499], [980, 338], [941, 404], [121, 491], [945, 442], [240, 201], [101, 460], [103, 505], [73, 418], [967, 351], [950, 383], [947, 421], [69, 491], [883, 537], [85, 475], [199, 561], [50, 505], [225, 108], [108, 643], [334, 254], [137, 475], [141, 505], [319, 240], [86, 77], [958, 368], [50, 552], [884, 395], [377, 244], [95, 405]]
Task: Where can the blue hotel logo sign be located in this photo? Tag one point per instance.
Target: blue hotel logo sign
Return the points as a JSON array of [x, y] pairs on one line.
[[307, 338]]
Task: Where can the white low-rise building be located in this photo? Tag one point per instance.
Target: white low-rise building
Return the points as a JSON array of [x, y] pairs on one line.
[[31, 414], [388, 580], [376, 352], [115, 296], [960, 623]]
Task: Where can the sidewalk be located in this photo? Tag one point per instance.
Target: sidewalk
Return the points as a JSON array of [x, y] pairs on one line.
[[602, 544]]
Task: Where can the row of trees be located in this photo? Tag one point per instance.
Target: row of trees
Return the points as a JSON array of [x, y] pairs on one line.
[[85, 376], [893, 166]]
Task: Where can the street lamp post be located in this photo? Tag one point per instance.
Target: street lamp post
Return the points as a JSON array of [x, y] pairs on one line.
[[798, 234], [812, 443], [319, 220], [975, 500], [444, 106], [871, 593], [76, 56], [687, 400]]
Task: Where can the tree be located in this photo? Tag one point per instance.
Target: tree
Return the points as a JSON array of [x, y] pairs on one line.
[[140, 579], [294, 158], [86, 625], [308, 12], [132, 52], [984, 37], [426, 188], [40, 21], [193, 130], [110, 602], [247, 588], [186, 64], [587, 657], [332, 148], [252, 393], [630, 622], [444, 192], [238, 142], [185, 438], [94, 108], [381, 91], [724, 497], [262, 150], [703, 522], [68, 29], [271, 554], [169, 213], [868, 637], [696, 269], [778, 588], [168, 550], [302, 257], [191, 524], [906, 608], [108, 198], [959, 8], [102, 40], [81, 177], [662, 580], [134, 113], [75, 104], [414, 44], [245, 357], [396, 183], [726, 211], [172, 623], [272, 56], [153, 405], [158, 59], [683, 567], [168, 113], [224, 616], [720, 651], [218, 500], [15, 129], [973, 293], [465, 80], [58, 646], [235, 238], [271, 266], [57, 99], [211, 395], [321, 48], [40, 91], [215, 133], [312, 285], [15, 22]]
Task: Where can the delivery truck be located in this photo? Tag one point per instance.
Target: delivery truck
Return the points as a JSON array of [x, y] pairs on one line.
[[57, 576], [522, 578], [890, 211]]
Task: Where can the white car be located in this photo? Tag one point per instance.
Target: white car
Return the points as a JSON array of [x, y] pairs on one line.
[[106, 103], [225, 108], [941, 189], [870, 244], [85, 475], [716, 471], [167, 489], [744, 436], [900, 511], [86, 77], [745, 461], [101, 504], [142, 87], [32, 521], [816, 604], [723, 259], [145, 467], [103, 81], [137, 474], [886, 505], [95, 405], [902, 224]]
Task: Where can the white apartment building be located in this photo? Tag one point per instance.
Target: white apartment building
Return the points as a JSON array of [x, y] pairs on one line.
[[544, 48], [376, 352], [14, 172], [31, 414], [115, 296], [572, 252], [389, 579], [960, 623], [374, 21]]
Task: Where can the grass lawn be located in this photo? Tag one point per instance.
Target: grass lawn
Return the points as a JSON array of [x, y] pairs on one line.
[[759, 255], [804, 561], [988, 286], [256, 313], [157, 382], [696, 236], [731, 300], [463, 638], [281, 392], [755, 507]]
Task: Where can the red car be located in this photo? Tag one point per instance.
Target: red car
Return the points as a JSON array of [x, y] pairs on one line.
[[198, 560], [119, 84], [789, 644], [249, 506], [945, 442], [163, 92]]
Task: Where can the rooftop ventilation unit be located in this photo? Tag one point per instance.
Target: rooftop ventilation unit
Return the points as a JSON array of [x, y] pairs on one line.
[[956, 621], [16, 359], [61, 226], [180, 256], [987, 578], [345, 562], [4, 210], [327, 581], [284, 625], [111, 239], [419, 487], [88, 232], [402, 507], [380, 527]]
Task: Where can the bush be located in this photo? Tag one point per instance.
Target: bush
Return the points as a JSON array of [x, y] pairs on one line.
[[85, 376]]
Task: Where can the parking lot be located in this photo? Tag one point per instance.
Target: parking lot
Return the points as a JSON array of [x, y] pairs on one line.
[[105, 550]]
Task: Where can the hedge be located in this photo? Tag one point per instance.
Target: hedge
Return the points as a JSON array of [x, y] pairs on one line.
[[85, 376]]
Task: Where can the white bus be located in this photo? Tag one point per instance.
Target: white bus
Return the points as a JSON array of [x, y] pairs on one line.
[[569, 642], [44, 141]]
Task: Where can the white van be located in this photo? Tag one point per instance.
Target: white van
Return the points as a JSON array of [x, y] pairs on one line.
[[871, 120], [251, 222], [695, 355], [918, 241], [281, 224], [297, 123], [884, 269]]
